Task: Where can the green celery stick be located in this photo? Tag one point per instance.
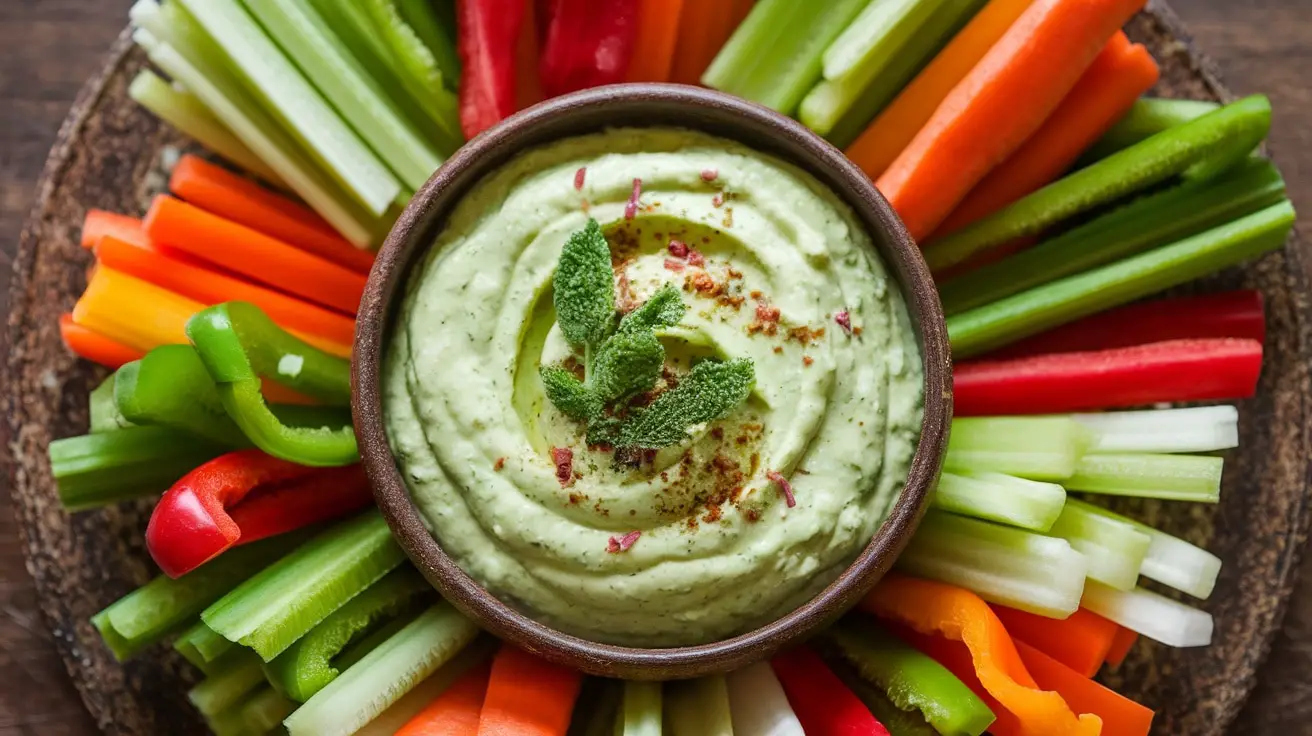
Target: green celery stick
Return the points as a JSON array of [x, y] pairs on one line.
[[417, 64], [1037, 448], [1171, 477], [264, 711], [597, 709], [434, 22], [182, 110], [1148, 117], [1002, 498], [105, 416], [1199, 150], [98, 469], [861, 54], [1148, 222], [233, 676], [1155, 616], [641, 711], [1070, 298], [386, 674], [1171, 431], [399, 713], [171, 388], [774, 57], [361, 103], [1170, 560], [1012, 567], [269, 612], [697, 707], [202, 646], [1114, 550]]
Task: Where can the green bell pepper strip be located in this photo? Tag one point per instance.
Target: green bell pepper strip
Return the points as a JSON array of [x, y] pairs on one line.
[[170, 387], [910, 679], [898, 722], [1065, 300], [105, 416], [238, 343], [1150, 221], [1200, 150], [99, 469], [1148, 117]]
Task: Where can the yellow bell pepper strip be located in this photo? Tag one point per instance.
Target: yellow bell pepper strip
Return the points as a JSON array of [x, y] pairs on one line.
[[938, 609]]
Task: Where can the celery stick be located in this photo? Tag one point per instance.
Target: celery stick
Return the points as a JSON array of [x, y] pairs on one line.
[[1148, 117], [1038, 448], [758, 703], [202, 646], [269, 612], [1002, 498], [98, 469], [1171, 477], [302, 35], [264, 711], [641, 710], [697, 707], [105, 416], [1193, 429], [182, 110], [399, 713], [862, 54], [773, 58], [233, 676], [1154, 220], [1114, 550], [1201, 149], [1155, 616], [1068, 299], [410, 56], [598, 708], [1170, 560], [374, 683], [436, 27], [1013, 567]]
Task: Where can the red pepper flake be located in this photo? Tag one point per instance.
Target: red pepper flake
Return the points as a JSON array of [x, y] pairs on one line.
[[579, 177], [754, 293], [844, 320], [703, 283], [784, 487], [767, 313], [631, 208], [563, 457], [696, 258], [807, 360], [752, 515], [673, 265], [615, 545], [778, 349], [709, 175], [718, 200], [678, 249], [499, 464]]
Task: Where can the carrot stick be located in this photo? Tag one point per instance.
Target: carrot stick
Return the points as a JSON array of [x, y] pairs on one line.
[[456, 711], [1107, 91], [898, 124], [242, 250], [221, 192], [1080, 642], [1121, 645], [159, 267], [1120, 715], [99, 223], [704, 26], [998, 106], [94, 346], [528, 696], [528, 85], [658, 32]]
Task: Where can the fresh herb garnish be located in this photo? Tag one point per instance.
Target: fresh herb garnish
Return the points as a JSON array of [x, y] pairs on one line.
[[623, 358]]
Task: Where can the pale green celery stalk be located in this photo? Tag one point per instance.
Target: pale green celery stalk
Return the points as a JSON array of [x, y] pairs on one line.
[[202, 646], [1042, 308], [410, 56], [640, 714], [176, 45], [105, 416], [1170, 560], [233, 676], [182, 110], [436, 27], [269, 612], [1148, 117], [399, 713], [862, 54], [301, 34], [1170, 477], [1037, 448], [264, 711], [773, 58], [386, 674], [1114, 550], [1152, 615], [697, 707], [294, 102], [1191, 429], [1006, 499], [758, 703], [1011, 567]]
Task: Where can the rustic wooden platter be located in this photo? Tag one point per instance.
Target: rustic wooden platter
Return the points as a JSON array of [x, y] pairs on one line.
[[108, 155]]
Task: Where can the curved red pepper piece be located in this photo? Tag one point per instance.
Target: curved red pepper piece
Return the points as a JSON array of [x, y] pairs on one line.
[[822, 703], [488, 31], [588, 43]]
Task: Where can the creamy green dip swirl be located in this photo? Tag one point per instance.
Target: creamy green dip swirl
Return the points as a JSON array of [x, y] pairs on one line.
[[720, 551]]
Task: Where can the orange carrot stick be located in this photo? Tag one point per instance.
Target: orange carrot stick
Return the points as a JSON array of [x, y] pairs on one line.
[[99, 223], [658, 33], [998, 106], [94, 346], [1080, 642], [221, 192], [1120, 715], [456, 711], [527, 696], [1103, 95], [1121, 646], [704, 26], [242, 250]]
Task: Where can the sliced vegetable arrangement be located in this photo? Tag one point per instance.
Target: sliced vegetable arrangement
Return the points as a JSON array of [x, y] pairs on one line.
[[1010, 135]]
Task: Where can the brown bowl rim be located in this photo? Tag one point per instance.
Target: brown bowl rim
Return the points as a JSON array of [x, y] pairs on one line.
[[647, 105]]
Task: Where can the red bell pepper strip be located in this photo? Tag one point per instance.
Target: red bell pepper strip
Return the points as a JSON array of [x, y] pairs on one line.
[[822, 703], [94, 346], [1176, 370], [488, 32], [244, 496], [1121, 646], [1227, 314], [1080, 642], [1120, 715], [589, 43]]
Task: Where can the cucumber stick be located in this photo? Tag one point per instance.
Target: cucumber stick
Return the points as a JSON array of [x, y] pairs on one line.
[[640, 713], [386, 674], [1191, 429], [697, 707], [1171, 477], [1152, 615], [1113, 550], [202, 647], [1006, 499], [758, 703], [233, 676], [1039, 448], [269, 612]]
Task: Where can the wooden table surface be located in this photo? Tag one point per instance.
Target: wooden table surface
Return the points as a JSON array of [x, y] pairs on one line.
[[49, 47]]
